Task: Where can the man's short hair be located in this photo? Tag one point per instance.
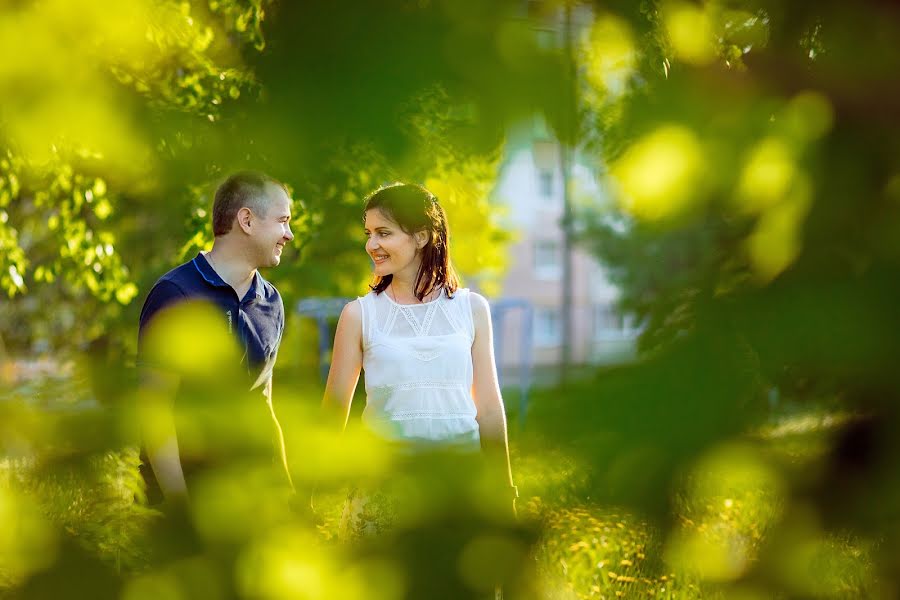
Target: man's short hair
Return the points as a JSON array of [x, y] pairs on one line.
[[242, 189]]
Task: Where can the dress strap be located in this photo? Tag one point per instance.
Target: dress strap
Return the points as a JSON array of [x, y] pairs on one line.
[[464, 310], [367, 311], [471, 317]]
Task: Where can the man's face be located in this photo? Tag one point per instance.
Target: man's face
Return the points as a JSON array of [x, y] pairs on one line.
[[273, 229]]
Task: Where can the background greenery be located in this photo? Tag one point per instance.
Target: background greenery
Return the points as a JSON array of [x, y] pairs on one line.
[[751, 150]]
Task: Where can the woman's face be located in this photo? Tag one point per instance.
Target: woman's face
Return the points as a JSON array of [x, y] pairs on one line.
[[393, 251]]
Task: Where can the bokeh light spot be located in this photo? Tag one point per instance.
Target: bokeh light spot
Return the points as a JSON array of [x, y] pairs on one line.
[[660, 175], [610, 54], [690, 32], [767, 176]]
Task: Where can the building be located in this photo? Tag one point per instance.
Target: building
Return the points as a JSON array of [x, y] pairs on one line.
[[530, 185]]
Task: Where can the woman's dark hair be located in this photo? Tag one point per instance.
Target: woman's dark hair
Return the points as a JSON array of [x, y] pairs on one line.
[[416, 209]]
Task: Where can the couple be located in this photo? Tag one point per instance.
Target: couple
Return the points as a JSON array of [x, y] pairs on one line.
[[425, 344]]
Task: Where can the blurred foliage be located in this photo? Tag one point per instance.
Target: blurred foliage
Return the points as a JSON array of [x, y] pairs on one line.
[[73, 504], [122, 119], [754, 179], [751, 160], [733, 526], [84, 135], [82, 516]]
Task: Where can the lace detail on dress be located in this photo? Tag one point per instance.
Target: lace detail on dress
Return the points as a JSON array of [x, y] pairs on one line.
[[422, 414], [425, 383], [418, 369], [453, 318], [419, 328], [410, 318], [392, 317], [429, 317]]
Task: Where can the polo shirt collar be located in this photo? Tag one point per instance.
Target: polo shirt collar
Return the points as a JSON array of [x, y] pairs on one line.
[[256, 287], [212, 278]]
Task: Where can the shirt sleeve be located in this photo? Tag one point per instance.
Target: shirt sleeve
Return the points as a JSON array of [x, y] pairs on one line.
[[164, 293]]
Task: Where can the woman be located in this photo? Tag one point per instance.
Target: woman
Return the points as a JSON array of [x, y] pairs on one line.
[[425, 345]]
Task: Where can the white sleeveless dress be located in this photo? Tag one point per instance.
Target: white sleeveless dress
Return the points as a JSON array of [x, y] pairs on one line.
[[418, 370], [418, 364]]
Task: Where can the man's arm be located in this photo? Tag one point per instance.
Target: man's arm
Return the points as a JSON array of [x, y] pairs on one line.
[[155, 410], [266, 376], [156, 398]]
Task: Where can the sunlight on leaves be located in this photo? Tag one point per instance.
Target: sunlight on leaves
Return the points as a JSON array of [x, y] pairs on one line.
[[808, 116], [154, 586], [776, 240], [193, 577], [610, 54], [815, 563], [690, 31], [486, 557], [231, 504], [27, 542], [660, 175], [333, 457], [282, 565], [126, 293], [722, 559], [733, 497], [179, 335], [477, 240], [57, 100], [767, 176]]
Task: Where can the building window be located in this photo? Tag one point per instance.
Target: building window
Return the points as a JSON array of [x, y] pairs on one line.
[[547, 259], [611, 324], [547, 327], [608, 322], [545, 183]]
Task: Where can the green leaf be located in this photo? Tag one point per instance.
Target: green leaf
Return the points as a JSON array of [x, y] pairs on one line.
[[126, 293], [99, 188], [103, 209]]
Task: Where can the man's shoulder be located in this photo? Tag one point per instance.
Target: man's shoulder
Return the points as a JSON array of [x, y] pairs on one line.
[[174, 284], [269, 291], [181, 273], [185, 278], [168, 289]]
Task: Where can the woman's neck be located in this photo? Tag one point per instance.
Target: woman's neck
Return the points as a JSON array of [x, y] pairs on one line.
[[403, 291]]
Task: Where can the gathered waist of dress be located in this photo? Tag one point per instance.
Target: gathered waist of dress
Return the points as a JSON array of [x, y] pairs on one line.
[[448, 399], [426, 430], [429, 384]]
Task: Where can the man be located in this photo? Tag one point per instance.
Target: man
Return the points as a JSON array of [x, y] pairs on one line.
[[251, 222]]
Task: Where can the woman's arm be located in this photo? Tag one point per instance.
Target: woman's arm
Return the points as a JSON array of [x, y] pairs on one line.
[[346, 363], [488, 401]]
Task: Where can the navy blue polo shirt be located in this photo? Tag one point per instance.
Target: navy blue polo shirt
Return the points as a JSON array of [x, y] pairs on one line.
[[256, 320]]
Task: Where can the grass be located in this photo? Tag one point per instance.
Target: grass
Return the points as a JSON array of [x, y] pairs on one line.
[[728, 511], [729, 514]]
